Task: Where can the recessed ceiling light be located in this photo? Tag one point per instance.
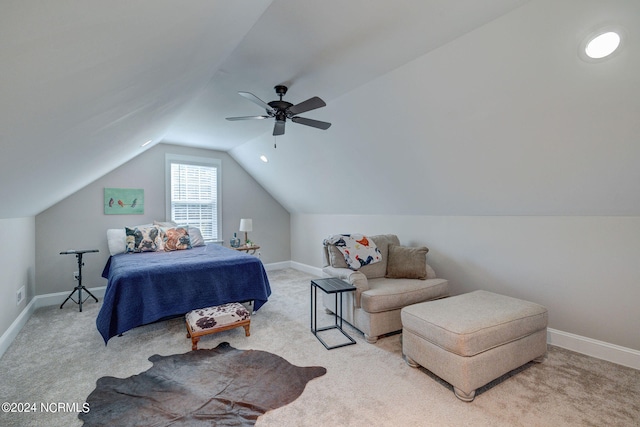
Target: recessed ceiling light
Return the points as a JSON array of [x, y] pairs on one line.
[[146, 143], [264, 158], [602, 45]]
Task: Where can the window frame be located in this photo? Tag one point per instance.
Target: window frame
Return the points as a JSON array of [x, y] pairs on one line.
[[196, 161]]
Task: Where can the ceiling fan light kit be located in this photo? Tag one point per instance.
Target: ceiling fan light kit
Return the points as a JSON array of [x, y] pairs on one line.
[[282, 110]]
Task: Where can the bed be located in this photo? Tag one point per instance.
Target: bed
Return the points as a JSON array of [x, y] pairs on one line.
[[146, 287]]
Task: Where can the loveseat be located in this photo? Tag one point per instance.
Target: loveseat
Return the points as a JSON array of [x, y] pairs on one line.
[[401, 278]]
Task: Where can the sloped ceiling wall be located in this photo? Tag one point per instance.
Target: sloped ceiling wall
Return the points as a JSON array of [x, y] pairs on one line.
[[498, 115], [505, 120], [83, 84]]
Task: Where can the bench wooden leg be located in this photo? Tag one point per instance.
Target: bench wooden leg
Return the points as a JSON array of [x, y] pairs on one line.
[[246, 330], [194, 343]]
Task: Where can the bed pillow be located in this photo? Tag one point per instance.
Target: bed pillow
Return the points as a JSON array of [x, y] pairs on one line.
[[177, 239], [165, 224], [196, 237], [144, 239], [407, 263], [116, 240]]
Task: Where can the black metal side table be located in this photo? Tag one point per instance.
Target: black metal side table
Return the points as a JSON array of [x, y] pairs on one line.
[[80, 287], [337, 287]]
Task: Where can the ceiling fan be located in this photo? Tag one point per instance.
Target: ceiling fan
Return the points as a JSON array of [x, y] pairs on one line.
[[283, 110]]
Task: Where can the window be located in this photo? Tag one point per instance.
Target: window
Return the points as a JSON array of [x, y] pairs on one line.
[[193, 196]]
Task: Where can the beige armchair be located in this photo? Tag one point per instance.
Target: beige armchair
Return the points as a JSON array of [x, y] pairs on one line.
[[383, 288]]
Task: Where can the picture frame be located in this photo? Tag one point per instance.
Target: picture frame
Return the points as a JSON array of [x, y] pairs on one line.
[[123, 201]]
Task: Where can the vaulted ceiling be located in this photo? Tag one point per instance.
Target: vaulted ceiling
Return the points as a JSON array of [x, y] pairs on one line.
[[438, 107]]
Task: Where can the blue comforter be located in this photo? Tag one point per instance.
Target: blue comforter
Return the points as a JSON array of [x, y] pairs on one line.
[[145, 287]]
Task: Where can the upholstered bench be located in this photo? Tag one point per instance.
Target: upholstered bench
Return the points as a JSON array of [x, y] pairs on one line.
[[471, 339], [219, 318]]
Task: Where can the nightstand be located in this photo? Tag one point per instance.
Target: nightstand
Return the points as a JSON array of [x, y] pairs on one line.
[[253, 248]]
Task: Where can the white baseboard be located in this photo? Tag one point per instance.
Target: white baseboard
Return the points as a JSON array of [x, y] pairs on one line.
[[59, 297], [598, 349], [10, 334], [590, 347], [36, 302], [277, 265], [307, 269]]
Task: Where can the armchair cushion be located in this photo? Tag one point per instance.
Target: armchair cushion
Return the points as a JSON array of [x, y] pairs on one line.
[[392, 294], [407, 263]]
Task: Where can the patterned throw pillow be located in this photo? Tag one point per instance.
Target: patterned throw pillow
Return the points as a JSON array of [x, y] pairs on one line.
[[176, 239], [146, 239]]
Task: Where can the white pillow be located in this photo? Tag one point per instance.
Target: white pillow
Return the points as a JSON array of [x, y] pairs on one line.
[[116, 239]]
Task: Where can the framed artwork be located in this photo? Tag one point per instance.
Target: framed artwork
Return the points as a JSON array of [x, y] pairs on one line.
[[123, 201]]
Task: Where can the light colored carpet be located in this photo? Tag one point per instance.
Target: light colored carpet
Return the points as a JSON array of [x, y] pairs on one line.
[[59, 355]]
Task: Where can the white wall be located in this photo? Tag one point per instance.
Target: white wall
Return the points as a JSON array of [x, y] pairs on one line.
[[79, 222], [506, 120], [585, 270], [17, 267]]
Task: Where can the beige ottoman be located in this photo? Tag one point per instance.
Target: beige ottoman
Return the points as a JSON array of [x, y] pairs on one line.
[[471, 339], [209, 320]]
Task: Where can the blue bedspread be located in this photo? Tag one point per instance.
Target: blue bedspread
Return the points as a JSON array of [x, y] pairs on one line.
[[145, 287]]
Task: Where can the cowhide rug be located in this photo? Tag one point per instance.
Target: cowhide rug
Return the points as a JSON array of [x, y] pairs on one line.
[[223, 386]]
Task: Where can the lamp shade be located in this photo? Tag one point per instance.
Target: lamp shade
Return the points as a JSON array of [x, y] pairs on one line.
[[246, 224]]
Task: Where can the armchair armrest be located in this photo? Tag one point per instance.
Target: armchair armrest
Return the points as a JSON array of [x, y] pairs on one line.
[[431, 274], [352, 277]]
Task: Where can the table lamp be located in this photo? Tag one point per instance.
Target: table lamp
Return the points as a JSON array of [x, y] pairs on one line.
[[246, 225]]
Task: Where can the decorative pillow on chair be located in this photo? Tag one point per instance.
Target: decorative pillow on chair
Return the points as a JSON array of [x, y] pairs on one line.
[[146, 239], [407, 263], [177, 239]]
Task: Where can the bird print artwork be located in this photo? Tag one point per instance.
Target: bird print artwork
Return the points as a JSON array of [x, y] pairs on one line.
[[123, 201]]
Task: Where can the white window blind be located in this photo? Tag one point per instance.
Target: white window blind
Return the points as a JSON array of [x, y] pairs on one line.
[[194, 197]]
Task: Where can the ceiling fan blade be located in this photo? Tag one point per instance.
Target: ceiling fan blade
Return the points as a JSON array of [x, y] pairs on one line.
[[308, 105], [310, 122], [278, 128], [247, 118], [251, 97]]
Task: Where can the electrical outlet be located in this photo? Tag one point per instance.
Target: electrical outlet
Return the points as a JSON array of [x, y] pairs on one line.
[[19, 295], [75, 275]]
